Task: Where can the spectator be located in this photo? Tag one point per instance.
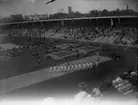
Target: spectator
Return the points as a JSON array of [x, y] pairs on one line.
[[101, 34]]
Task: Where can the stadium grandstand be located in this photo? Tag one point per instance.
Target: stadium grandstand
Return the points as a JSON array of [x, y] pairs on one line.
[[49, 58]]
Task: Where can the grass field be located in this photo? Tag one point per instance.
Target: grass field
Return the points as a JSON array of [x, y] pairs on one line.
[[63, 86], [63, 53], [67, 85]]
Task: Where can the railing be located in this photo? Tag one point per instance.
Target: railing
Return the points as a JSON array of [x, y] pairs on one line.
[[82, 18]]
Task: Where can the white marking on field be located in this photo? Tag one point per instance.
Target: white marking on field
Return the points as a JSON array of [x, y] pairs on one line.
[[20, 81], [27, 79]]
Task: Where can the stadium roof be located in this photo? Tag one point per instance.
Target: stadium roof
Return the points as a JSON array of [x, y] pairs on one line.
[[103, 17]]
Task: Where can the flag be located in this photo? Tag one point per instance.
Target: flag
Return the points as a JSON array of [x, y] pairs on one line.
[[112, 23], [50, 1], [72, 20], [62, 22], [119, 20]]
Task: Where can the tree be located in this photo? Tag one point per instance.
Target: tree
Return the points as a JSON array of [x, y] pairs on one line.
[[77, 14], [105, 12], [16, 18], [93, 13]]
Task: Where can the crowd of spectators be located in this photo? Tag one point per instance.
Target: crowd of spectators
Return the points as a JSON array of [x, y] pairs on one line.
[[102, 34], [116, 35]]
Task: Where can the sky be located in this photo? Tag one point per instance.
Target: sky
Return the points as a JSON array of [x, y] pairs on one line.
[[27, 7]]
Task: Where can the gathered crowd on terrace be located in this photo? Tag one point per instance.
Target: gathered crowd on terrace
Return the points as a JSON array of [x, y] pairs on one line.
[[122, 35]]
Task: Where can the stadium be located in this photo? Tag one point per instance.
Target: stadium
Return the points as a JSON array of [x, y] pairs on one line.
[[51, 58]]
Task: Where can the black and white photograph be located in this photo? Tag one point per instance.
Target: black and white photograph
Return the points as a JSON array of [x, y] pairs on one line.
[[68, 52]]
